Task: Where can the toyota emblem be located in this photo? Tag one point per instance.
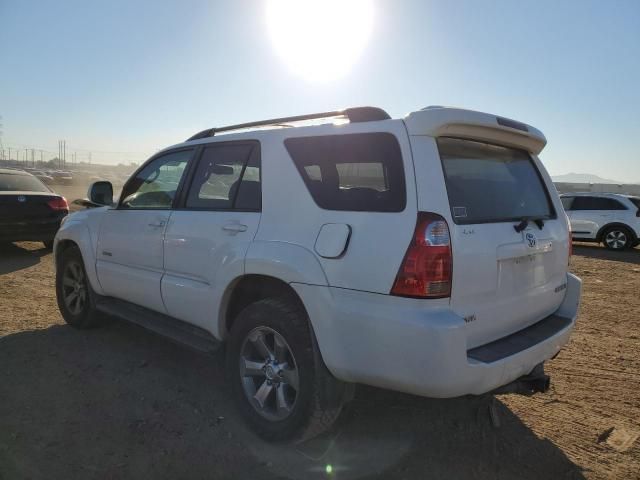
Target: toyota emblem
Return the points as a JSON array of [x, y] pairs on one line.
[[22, 198], [531, 239]]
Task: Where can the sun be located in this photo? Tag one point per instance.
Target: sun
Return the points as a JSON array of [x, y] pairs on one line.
[[319, 39]]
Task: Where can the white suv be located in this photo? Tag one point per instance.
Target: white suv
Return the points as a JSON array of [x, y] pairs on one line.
[[426, 255], [608, 218]]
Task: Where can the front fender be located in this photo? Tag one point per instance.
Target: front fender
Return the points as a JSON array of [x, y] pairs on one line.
[[288, 262], [79, 233]]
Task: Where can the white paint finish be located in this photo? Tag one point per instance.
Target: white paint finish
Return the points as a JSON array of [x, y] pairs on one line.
[[135, 285], [415, 346], [286, 261], [494, 279], [203, 252], [130, 255], [78, 232], [378, 240], [457, 122], [515, 292], [587, 223], [332, 240]]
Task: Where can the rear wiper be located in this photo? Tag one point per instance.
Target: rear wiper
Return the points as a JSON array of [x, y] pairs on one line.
[[525, 222]]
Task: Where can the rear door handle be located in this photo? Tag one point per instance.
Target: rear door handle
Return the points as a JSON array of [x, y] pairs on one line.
[[159, 224], [235, 227]]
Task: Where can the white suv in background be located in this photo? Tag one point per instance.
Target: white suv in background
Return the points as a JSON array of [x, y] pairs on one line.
[[426, 255], [608, 218]]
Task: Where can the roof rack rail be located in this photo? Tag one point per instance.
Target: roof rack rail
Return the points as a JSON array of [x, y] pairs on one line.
[[354, 115]]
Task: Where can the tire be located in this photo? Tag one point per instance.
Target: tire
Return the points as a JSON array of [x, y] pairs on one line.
[[71, 277], [617, 238], [48, 244], [303, 412]]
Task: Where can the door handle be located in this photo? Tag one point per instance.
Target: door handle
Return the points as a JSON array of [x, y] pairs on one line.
[[234, 227], [159, 224]]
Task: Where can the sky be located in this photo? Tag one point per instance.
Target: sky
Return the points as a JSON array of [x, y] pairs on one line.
[[124, 78]]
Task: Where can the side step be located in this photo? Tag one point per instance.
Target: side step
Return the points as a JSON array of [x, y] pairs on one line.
[[169, 327]]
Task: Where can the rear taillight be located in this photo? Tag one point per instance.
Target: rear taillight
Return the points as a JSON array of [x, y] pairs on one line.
[[426, 269], [58, 203]]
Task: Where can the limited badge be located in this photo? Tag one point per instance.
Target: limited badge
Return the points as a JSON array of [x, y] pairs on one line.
[[531, 239]]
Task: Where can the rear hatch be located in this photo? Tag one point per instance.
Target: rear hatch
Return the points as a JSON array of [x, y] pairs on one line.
[[510, 245]]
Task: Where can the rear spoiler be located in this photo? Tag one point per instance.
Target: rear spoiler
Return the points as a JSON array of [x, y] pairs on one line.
[[456, 122]]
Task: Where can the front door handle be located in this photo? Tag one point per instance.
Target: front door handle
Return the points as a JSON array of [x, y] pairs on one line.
[[234, 227], [158, 225]]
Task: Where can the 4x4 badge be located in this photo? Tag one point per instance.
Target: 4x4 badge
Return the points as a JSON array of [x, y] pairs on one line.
[[531, 239]]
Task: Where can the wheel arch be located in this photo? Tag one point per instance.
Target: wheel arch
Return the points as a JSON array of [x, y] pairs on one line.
[[606, 227], [251, 288], [77, 234]]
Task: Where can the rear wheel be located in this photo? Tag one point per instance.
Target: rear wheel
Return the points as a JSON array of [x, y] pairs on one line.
[[76, 298], [278, 378], [617, 238]]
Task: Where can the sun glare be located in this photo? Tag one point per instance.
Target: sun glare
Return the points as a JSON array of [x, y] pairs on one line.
[[319, 39]]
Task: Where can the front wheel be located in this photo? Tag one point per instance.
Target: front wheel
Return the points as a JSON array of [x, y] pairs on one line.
[[278, 379], [617, 238], [76, 298]]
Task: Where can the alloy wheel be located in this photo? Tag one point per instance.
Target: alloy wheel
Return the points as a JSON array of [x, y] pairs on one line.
[[616, 239], [74, 290], [269, 373]]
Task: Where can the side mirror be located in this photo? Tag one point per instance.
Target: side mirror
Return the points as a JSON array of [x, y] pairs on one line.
[[101, 193]]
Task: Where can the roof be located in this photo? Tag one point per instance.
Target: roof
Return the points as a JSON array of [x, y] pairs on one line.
[[430, 121], [13, 171]]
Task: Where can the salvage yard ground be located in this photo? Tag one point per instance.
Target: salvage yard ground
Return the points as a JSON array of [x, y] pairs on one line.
[[121, 403]]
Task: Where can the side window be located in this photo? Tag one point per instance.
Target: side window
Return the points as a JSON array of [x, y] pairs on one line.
[[611, 204], [227, 177], [155, 186], [582, 203], [567, 203], [354, 172], [596, 203]]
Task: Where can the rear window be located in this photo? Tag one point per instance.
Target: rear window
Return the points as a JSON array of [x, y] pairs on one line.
[[19, 182], [489, 183], [355, 172]]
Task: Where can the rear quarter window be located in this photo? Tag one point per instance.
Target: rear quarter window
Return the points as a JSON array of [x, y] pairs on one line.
[[354, 172]]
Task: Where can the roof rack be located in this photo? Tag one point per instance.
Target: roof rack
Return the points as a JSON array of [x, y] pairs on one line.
[[354, 115]]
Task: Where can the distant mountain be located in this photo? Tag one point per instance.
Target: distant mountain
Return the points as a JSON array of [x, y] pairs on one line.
[[583, 178]]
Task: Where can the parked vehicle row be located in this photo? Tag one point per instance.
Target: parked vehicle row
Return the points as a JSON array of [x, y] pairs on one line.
[[335, 254]]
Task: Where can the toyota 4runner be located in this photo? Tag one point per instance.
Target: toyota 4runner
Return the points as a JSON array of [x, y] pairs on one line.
[[426, 255]]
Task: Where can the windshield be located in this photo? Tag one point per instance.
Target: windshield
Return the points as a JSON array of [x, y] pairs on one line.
[[635, 201], [488, 183], [19, 182]]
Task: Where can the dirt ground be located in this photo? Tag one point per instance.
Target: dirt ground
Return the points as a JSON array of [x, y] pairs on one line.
[[122, 403]]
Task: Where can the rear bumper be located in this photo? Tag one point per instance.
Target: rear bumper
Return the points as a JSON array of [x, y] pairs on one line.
[[399, 344], [32, 230]]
